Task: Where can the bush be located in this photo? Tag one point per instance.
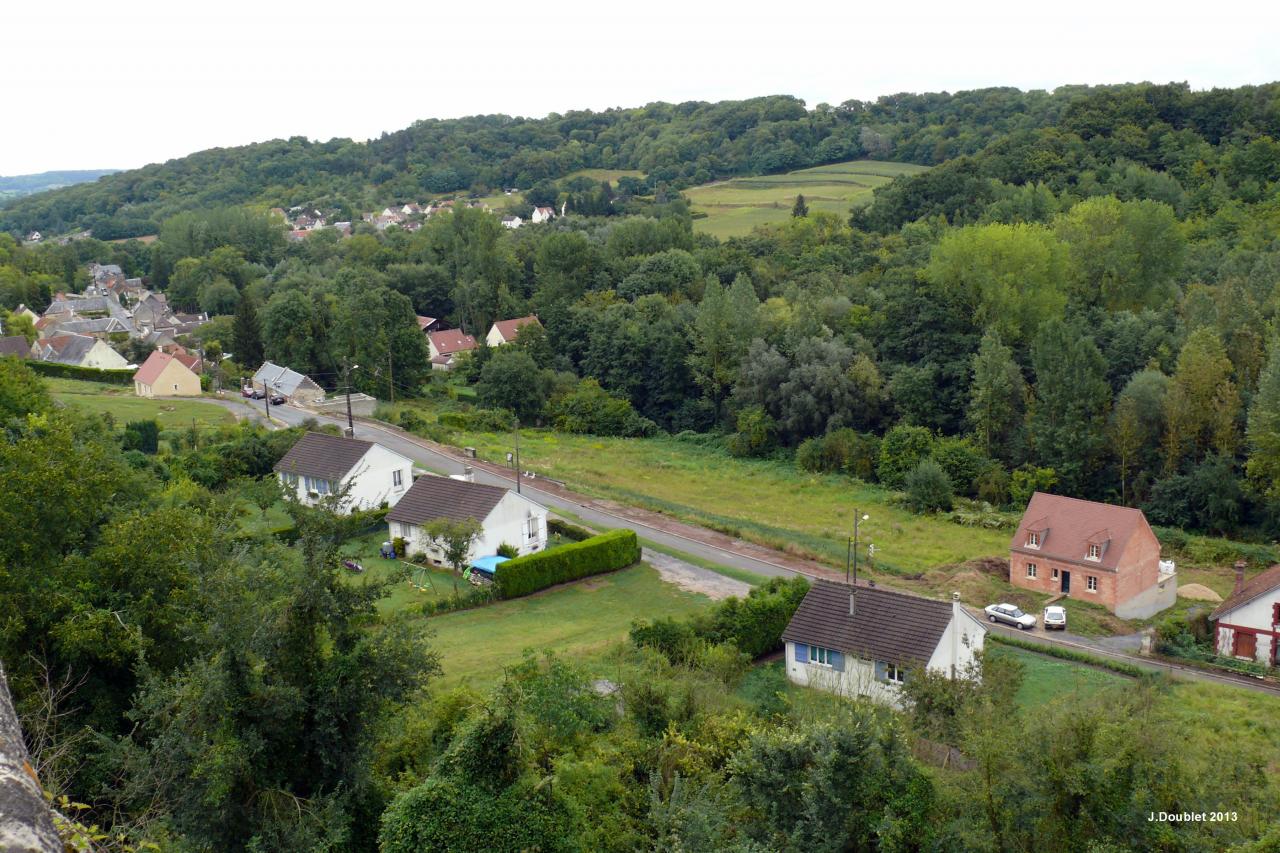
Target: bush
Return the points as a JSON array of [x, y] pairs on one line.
[[929, 488], [843, 450], [604, 553], [588, 408], [398, 545], [757, 433], [506, 549], [141, 435], [962, 461], [559, 527], [677, 641], [900, 452]]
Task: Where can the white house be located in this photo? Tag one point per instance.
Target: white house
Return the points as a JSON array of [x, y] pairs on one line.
[[321, 464], [1248, 623], [505, 331], [80, 350], [505, 517], [542, 214], [864, 641], [512, 222]]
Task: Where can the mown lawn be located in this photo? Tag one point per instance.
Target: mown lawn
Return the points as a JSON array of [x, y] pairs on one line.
[[119, 401], [1046, 679], [580, 621]]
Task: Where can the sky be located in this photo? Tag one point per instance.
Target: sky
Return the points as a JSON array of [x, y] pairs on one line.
[[130, 82]]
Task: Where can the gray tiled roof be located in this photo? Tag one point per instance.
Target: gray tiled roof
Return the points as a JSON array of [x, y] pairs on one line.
[[15, 345], [433, 497], [886, 625], [282, 379], [328, 457]]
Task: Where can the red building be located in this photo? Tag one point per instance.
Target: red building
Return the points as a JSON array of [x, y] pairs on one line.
[[1092, 552]]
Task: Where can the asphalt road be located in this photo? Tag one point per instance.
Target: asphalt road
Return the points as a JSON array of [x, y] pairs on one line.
[[441, 463]]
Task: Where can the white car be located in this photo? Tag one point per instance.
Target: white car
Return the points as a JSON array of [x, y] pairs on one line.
[[1010, 615], [1055, 616]]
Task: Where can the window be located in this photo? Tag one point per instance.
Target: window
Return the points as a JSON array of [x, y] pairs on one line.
[[405, 530], [397, 478], [291, 480], [531, 528], [317, 485], [820, 656], [1031, 570], [1055, 574], [1033, 540], [1095, 552], [894, 674], [1092, 583]]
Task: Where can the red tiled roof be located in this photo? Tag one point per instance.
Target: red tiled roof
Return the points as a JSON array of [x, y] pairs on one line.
[[423, 322], [1069, 525], [189, 361], [508, 328], [153, 367], [451, 341], [1257, 585]]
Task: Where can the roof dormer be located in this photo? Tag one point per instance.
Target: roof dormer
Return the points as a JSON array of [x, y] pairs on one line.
[[1096, 545], [1037, 533]]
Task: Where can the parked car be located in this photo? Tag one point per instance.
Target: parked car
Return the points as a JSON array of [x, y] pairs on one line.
[[1010, 615], [278, 400], [252, 393], [1055, 616]]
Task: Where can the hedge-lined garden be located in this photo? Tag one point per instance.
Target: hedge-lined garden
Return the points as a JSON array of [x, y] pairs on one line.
[[87, 374], [604, 553]]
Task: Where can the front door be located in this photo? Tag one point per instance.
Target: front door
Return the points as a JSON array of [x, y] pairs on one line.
[[1246, 645], [1066, 582]]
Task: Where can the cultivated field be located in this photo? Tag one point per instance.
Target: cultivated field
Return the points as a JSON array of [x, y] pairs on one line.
[[735, 206]]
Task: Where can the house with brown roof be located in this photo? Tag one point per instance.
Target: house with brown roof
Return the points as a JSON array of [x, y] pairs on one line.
[[366, 473], [865, 640], [79, 350], [504, 516], [1094, 552], [444, 345], [505, 331], [15, 345], [1247, 624], [164, 375], [428, 324]]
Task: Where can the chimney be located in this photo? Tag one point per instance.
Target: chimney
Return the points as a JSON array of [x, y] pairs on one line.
[[851, 597], [1240, 564]]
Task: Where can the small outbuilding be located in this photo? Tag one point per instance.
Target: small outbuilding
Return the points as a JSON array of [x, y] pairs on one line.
[[297, 388]]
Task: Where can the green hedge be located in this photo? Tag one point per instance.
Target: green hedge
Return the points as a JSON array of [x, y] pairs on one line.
[[567, 530], [604, 553], [86, 374], [1056, 651]]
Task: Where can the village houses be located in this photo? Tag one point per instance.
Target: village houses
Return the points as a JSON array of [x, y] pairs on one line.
[[366, 473], [1090, 551], [505, 517], [865, 640], [1247, 624]]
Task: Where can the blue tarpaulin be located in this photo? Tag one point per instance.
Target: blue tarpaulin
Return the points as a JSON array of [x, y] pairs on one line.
[[487, 565]]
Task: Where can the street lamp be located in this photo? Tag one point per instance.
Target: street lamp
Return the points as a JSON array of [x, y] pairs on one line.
[[851, 547]]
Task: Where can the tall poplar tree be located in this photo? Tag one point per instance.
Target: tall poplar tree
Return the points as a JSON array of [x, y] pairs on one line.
[[246, 334]]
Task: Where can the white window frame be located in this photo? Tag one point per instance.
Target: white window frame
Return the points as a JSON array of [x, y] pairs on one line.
[[894, 674], [819, 656], [406, 530], [397, 478], [1094, 552], [290, 480], [1091, 583], [1033, 540], [1031, 570], [318, 485]]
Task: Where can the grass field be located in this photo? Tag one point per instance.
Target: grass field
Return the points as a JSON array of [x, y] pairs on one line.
[[735, 206], [120, 402], [580, 621], [1046, 679]]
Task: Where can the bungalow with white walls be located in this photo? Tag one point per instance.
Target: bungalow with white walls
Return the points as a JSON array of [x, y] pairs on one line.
[[505, 517], [505, 331], [321, 464], [1247, 624], [864, 640]]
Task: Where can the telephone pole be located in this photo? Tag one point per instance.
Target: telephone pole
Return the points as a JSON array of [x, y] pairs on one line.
[[517, 456], [391, 379], [346, 380]]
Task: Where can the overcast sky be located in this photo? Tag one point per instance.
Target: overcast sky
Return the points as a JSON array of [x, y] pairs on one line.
[[124, 83]]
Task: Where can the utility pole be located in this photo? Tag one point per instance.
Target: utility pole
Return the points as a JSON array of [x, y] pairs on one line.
[[266, 398], [346, 379], [391, 379], [517, 456], [851, 548]]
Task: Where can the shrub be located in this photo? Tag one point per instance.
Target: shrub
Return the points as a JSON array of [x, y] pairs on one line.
[[142, 435], [962, 461], [677, 641], [757, 433], [398, 544], [900, 452], [588, 408], [604, 553], [564, 529], [508, 550], [87, 374], [755, 624], [1027, 480], [929, 488]]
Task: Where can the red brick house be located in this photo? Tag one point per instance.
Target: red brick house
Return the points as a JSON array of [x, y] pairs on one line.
[[1247, 625], [1092, 552]]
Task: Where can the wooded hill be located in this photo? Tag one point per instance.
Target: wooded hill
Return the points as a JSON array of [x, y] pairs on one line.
[[1026, 136]]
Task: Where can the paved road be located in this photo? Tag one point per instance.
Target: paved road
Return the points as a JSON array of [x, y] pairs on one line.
[[442, 463]]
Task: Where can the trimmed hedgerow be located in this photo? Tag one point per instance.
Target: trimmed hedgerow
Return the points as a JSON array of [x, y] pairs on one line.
[[88, 374], [604, 553], [567, 530]]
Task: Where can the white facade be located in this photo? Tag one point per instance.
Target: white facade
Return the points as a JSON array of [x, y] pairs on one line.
[[880, 681], [1257, 616], [514, 520], [381, 476], [102, 357]]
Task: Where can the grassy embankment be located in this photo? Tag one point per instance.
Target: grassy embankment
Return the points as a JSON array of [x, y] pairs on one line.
[[733, 207], [119, 401]]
